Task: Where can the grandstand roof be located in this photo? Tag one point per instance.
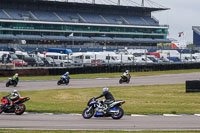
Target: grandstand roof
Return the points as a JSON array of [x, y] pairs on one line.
[[80, 5]]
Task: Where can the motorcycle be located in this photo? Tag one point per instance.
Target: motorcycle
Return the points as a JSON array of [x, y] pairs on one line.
[[63, 81], [102, 110], [12, 81], [125, 79], [17, 106]]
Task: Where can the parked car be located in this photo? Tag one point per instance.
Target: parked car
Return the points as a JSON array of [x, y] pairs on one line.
[[48, 61], [39, 61], [30, 60], [97, 62], [19, 62]]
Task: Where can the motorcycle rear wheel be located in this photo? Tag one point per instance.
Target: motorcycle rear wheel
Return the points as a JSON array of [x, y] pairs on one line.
[[14, 84], [119, 114], [88, 115], [67, 82], [128, 81], [20, 109]]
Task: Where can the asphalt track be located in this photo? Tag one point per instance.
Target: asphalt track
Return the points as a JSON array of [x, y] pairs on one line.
[[70, 122], [102, 82], [67, 122]]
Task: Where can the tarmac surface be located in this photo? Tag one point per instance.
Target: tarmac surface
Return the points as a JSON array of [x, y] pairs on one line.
[[102, 82], [76, 122], [130, 123]]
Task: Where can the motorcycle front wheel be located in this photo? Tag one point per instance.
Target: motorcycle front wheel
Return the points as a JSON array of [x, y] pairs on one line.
[[20, 109], [1, 110], [7, 84], [118, 114], [120, 81], [59, 82], [87, 114]]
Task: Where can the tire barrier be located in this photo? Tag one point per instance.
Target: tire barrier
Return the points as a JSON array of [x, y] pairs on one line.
[[97, 69], [193, 86]]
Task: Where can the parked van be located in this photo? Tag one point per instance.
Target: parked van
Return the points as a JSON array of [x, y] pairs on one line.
[[59, 59]]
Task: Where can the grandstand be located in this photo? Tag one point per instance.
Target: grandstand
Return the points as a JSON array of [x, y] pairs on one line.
[[196, 35], [68, 23]]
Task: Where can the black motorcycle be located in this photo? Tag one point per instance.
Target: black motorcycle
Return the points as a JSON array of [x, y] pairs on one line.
[[99, 109], [125, 79], [63, 81], [12, 81]]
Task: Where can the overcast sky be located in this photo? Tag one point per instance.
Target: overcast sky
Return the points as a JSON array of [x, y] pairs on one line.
[[183, 14]]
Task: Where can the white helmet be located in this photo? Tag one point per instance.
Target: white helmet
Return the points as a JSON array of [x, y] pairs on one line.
[[67, 72], [126, 71], [14, 91], [16, 74], [105, 89]]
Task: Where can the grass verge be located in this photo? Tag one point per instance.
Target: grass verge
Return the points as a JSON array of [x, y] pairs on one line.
[[104, 75], [67, 131], [155, 99]]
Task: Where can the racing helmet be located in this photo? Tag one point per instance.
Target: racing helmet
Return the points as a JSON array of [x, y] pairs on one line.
[[14, 92], [67, 73], [127, 71], [16, 74], [105, 89]]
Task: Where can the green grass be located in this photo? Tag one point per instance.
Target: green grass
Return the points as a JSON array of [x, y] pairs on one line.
[[156, 99], [66, 131], [104, 75]]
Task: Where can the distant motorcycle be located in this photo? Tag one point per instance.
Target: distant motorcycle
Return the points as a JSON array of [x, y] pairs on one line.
[[63, 81], [12, 81], [17, 106], [125, 79], [99, 109]]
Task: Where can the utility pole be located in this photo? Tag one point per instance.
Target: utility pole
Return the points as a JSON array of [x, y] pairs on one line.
[[142, 3], [118, 3]]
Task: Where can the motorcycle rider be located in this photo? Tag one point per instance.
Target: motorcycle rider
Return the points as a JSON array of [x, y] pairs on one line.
[[15, 77], [108, 96], [13, 97], [65, 76], [126, 74]]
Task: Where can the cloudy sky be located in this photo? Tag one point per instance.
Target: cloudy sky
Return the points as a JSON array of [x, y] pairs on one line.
[[183, 14]]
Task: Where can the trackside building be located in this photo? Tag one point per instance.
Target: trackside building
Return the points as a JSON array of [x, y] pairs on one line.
[[196, 35], [56, 22]]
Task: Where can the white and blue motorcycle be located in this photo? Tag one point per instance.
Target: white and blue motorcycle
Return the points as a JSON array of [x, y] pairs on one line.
[[99, 109]]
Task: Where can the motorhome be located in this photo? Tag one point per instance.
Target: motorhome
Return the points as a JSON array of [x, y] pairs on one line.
[[109, 57], [82, 57]]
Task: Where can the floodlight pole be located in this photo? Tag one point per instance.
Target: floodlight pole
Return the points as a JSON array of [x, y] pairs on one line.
[[118, 2], [93, 1], [142, 3]]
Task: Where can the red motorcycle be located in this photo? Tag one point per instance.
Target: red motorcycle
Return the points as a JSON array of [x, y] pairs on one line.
[[17, 106]]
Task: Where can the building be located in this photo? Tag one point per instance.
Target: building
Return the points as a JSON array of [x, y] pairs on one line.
[[196, 35], [79, 24]]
